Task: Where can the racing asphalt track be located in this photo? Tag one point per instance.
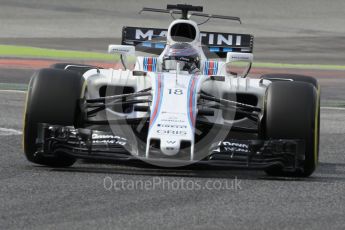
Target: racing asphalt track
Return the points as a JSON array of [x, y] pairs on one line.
[[34, 197]]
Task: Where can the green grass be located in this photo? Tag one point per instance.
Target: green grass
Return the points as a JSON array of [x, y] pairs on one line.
[[13, 86], [33, 52], [291, 66], [298, 66]]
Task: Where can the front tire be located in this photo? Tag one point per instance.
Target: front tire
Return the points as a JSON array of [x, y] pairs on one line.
[[292, 112], [76, 68], [52, 98], [293, 77]]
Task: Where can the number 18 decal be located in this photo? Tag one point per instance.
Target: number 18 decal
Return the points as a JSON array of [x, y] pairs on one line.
[[176, 91]]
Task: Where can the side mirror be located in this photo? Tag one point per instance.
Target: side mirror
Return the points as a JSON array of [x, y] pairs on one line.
[[232, 57], [123, 50]]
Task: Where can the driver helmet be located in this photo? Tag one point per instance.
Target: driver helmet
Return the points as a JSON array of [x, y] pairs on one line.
[[182, 53]]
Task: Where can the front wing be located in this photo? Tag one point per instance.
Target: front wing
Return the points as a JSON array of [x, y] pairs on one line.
[[100, 145]]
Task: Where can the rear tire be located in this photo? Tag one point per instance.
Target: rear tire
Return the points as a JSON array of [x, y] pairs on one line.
[[292, 112], [52, 98]]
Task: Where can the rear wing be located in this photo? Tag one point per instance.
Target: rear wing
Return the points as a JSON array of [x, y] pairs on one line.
[[153, 40]]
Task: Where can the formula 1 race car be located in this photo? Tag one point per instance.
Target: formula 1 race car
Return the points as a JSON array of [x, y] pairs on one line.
[[184, 104]]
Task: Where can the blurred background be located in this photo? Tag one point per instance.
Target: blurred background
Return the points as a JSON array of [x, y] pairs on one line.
[[294, 31]]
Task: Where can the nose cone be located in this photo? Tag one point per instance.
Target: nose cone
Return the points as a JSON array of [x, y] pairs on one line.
[[170, 147]]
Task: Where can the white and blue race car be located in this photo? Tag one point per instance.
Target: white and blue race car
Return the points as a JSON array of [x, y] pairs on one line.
[[184, 104]]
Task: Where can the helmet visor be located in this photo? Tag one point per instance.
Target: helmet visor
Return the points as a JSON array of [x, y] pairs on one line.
[[171, 64]]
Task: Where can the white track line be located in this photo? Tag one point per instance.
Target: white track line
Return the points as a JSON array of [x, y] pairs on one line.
[[12, 91], [333, 108], [9, 132]]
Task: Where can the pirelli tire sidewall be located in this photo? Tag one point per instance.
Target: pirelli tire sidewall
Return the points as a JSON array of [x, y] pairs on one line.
[[292, 111], [52, 98]]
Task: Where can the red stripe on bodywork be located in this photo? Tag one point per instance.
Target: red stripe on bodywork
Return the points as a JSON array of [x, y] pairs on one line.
[[157, 101], [149, 63], [210, 68], [191, 115]]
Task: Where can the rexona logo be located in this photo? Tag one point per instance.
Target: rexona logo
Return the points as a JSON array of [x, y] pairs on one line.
[[219, 39]]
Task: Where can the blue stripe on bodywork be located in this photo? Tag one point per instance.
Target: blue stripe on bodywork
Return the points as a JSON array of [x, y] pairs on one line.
[[156, 97], [145, 64], [188, 93], [215, 66], [154, 65], [194, 77]]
